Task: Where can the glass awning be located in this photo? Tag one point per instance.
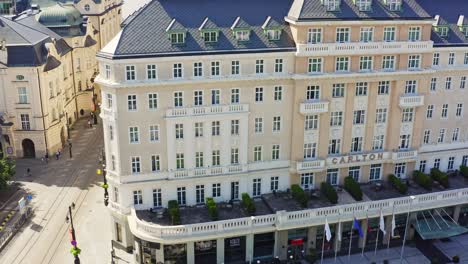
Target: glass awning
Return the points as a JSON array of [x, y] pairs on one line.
[[434, 226]]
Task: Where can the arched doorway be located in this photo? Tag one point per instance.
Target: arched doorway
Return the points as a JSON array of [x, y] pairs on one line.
[[29, 151]]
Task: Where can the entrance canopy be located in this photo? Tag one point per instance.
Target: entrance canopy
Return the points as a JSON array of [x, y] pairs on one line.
[[434, 226]]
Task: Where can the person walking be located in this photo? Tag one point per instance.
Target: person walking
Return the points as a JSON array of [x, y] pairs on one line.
[[28, 172], [89, 123], [57, 155], [46, 157]]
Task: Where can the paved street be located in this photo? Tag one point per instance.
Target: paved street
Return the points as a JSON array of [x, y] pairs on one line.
[[54, 186]]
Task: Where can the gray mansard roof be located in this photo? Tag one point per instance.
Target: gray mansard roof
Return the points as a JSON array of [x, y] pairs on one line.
[[145, 32]]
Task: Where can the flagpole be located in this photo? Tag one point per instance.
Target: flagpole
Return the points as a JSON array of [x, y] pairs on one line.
[[365, 237], [351, 238], [378, 232], [338, 236], [323, 240], [391, 231]]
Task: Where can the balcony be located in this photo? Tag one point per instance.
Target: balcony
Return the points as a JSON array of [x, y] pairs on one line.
[[411, 100], [202, 172], [368, 48], [207, 110], [404, 155], [309, 165], [314, 107]]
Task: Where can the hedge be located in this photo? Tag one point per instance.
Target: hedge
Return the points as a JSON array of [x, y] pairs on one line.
[[464, 170], [248, 203], [174, 212], [422, 179], [212, 208], [398, 184], [440, 177], [329, 192], [299, 195], [353, 188]]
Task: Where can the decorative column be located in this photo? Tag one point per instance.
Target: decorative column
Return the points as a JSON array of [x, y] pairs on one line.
[[281, 244], [249, 247], [190, 252], [311, 238], [220, 250]]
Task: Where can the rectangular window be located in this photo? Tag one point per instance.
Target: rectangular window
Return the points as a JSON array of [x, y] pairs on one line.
[[448, 83], [215, 71], [107, 71], [136, 165], [332, 176], [334, 146], [465, 160], [463, 82], [181, 196], [414, 34], [375, 172], [259, 94], [178, 99], [278, 93], [338, 90], [361, 88], [155, 163], [215, 97], [274, 183], [310, 150], [179, 131], [157, 198], [256, 187], [314, 36], [137, 197], [154, 133], [276, 123], [216, 189], [199, 160], [410, 87], [433, 84], [258, 125], [359, 117], [389, 34], [315, 65], [444, 112], [215, 128], [234, 156], [210, 36], [177, 38], [451, 58], [383, 88], [197, 69], [259, 67], [278, 65], [427, 136], [441, 137], [200, 194], [22, 95], [132, 102], [436, 59], [134, 135], [436, 163], [311, 122], [459, 111], [307, 180], [407, 115], [313, 92], [130, 73], [450, 164], [378, 142], [342, 64], [275, 152], [111, 132], [388, 63], [422, 166], [356, 144], [235, 96], [400, 170], [198, 98], [365, 63], [235, 67], [414, 62], [429, 111], [151, 72], [180, 161], [153, 101], [404, 141], [367, 34], [354, 172], [216, 158], [235, 127], [198, 129], [258, 153], [342, 34], [336, 119], [109, 101], [455, 134], [177, 70], [25, 122]]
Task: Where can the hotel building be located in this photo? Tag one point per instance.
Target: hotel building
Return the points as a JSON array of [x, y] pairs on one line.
[[216, 99]]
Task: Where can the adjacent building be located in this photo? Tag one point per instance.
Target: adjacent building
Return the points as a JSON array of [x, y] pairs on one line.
[[48, 66], [221, 98]]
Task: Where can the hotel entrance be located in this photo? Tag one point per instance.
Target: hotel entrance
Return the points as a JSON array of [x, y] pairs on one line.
[[297, 239]]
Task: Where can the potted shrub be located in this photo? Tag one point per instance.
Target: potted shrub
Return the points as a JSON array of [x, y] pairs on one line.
[[440, 177], [248, 203], [464, 170], [422, 179], [396, 182], [299, 195], [212, 208], [174, 212], [353, 188], [329, 192]]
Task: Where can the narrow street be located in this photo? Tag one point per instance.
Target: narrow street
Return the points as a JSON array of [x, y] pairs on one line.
[[55, 186]]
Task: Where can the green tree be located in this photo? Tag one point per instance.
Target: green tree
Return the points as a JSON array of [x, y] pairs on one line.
[[7, 170]]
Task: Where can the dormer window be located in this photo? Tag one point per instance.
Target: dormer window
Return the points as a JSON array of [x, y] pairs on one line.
[[331, 5], [273, 34], [210, 36], [363, 5], [177, 38], [443, 31], [465, 31], [242, 35], [272, 29], [393, 5]]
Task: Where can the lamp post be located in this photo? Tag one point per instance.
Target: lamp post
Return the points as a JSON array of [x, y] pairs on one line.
[[70, 148], [75, 250], [406, 228], [104, 184]]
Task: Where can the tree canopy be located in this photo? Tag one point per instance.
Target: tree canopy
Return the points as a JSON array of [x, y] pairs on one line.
[[7, 170]]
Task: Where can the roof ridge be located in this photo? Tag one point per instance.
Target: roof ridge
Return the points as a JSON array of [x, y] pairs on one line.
[[10, 27]]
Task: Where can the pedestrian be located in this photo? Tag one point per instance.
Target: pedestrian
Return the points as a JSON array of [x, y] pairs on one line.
[[57, 155], [28, 172], [47, 157], [89, 123]]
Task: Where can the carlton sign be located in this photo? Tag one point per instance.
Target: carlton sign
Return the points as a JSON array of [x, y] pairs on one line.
[[357, 158]]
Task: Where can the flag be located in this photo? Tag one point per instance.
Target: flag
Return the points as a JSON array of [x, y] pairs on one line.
[[382, 224], [327, 231], [393, 226], [358, 227], [339, 231]]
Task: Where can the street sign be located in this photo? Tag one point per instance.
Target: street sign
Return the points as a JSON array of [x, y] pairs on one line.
[[29, 197]]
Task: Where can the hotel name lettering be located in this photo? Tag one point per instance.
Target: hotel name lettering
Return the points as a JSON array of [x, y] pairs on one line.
[[357, 158]]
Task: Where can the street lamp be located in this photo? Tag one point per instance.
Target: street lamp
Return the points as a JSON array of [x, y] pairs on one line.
[[406, 228], [75, 250], [104, 184], [70, 148]]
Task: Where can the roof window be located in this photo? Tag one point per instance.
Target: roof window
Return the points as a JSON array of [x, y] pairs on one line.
[[393, 5], [209, 31], [331, 5], [241, 30], [363, 5], [176, 32], [272, 29]]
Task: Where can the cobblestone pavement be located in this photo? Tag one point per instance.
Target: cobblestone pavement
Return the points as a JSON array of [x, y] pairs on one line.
[[54, 186]]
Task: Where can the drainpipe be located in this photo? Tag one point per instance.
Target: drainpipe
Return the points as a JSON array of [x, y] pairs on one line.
[[42, 110], [74, 85]]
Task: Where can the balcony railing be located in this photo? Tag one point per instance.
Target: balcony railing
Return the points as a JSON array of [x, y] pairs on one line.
[[199, 172], [283, 220], [206, 110], [399, 155], [314, 107], [354, 48], [411, 100], [310, 165]]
